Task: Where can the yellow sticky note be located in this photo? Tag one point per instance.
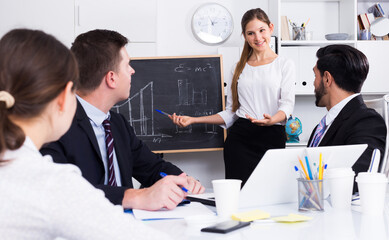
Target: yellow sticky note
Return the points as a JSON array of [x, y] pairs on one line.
[[250, 215], [292, 218]]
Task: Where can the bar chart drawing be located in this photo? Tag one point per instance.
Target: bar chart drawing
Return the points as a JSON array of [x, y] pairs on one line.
[[190, 97], [141, 120]]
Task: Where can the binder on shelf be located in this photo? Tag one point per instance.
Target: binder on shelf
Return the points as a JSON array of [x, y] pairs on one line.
[[363, 21], [284, 29], [370, 17], [380, 10], [377, 10]]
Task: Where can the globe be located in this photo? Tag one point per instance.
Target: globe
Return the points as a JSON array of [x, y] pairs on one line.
[[293, 129]]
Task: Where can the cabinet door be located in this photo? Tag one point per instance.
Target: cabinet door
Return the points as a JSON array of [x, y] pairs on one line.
[[55, 17], [308, 60], [377, 53], [304, 59], [137, 20]]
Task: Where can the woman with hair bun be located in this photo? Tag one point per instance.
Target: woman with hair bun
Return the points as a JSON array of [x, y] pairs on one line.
[[38, 198]]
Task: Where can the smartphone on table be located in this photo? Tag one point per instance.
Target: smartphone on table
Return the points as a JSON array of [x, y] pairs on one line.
[[225, 227]]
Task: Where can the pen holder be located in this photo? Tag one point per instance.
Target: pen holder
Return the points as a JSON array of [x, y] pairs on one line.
[[310, 195], [298, 33]]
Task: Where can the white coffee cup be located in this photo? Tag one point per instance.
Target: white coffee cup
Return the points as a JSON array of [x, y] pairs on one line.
[[372, 192], [226, 196], [341, 182]]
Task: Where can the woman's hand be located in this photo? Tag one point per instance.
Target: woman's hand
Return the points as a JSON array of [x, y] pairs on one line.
[[181, 121], [266, 121]]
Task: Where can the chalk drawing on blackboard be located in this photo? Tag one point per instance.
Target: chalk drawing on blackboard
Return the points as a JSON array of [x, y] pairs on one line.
[[140, 124], [190, 86], [190, 96], [187, 96], [182, 68]]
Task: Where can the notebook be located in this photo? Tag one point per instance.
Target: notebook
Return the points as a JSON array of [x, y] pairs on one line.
[[273, 181]]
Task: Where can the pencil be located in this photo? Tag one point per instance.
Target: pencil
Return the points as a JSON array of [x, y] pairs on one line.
[[321, 167], [302, 166]]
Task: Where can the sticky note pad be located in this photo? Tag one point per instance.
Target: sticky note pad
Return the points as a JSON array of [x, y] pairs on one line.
[[250, 215], [292, 218]]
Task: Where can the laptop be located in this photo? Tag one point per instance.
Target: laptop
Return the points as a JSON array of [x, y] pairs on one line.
[[273, 181]]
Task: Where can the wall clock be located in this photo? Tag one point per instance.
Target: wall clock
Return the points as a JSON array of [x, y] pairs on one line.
[[212, 24]]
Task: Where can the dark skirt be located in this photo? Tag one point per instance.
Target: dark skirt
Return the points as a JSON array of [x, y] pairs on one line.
[[246, 144]]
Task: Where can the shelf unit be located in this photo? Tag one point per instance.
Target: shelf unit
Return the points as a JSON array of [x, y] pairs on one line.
[[315, 43], [326, 16], [330, 16]]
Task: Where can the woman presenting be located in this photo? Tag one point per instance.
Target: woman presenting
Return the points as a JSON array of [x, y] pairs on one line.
[[260, 100]]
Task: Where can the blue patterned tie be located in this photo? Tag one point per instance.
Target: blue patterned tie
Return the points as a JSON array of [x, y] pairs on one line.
[[109, 144], [319, 133]]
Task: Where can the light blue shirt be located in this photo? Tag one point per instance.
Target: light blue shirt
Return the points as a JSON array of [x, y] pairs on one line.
[[96, 118]]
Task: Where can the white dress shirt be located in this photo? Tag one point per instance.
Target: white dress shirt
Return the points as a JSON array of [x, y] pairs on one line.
[[43, 200], [262, 89], [96, 118]]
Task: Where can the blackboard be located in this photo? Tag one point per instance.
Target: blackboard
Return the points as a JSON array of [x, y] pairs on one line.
[[189, 86]]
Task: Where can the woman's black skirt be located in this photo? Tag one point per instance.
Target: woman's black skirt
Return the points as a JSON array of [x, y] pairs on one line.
[[246, 144]]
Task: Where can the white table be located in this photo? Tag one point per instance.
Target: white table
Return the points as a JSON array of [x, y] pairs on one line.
[[329, 224]]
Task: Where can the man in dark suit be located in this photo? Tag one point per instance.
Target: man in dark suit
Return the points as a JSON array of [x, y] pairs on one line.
[[340, 72], [101, 142]]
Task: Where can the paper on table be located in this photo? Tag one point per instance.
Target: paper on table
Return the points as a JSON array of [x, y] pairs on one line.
[[192, 209], [250, 215], [292, 218]]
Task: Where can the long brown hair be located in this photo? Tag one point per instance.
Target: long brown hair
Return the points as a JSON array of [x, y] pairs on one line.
[[259, 14], [34, 69]]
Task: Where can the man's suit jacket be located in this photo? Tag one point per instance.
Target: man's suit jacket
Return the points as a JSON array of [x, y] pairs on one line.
[[79, 147], [357, 124]]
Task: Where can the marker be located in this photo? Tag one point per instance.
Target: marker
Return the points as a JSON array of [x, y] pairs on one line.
[[308, 168], [321, 167], [162, 112], [299, 172], [162, 174], [325, 167]]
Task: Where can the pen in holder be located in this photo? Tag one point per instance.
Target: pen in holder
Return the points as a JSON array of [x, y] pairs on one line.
[[310, 195], [298, 33]]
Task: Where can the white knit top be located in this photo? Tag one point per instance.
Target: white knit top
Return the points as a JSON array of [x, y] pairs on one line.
[[262, 89], [40, 199]]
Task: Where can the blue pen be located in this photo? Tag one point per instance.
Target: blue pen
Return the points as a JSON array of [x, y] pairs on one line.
[[299, 172], [162, 174], [162, 112], [308, 168]]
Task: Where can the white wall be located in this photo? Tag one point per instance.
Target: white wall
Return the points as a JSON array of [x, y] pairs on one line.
[[174, 34]]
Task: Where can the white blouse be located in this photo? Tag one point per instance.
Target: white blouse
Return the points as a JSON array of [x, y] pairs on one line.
[[43, 200], [262, 89]]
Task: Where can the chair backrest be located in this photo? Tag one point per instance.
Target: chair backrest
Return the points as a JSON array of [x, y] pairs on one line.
[[381, 105]]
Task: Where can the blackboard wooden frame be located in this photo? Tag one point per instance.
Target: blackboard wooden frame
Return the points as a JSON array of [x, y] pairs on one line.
[[188, 84]]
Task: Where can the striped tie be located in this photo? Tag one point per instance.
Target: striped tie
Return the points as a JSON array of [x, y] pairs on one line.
[[109, 144], [319, 132]]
